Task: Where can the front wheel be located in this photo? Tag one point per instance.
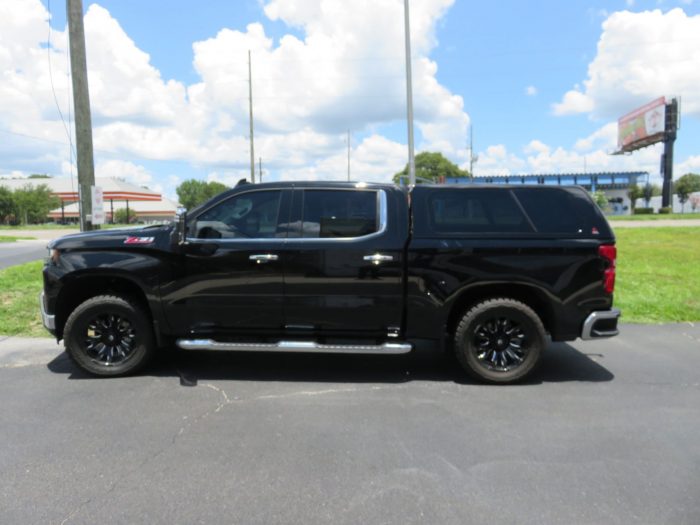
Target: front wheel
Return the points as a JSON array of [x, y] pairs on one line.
[[109, 335], [500, 340]]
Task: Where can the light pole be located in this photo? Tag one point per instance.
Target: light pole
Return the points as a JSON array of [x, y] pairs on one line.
[[409, 98]]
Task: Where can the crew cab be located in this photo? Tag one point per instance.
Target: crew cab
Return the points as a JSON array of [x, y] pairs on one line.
[[491, 273]]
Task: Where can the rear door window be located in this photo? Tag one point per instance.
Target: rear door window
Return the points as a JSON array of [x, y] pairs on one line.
[[476, 211], [338, 214], [562, 211]]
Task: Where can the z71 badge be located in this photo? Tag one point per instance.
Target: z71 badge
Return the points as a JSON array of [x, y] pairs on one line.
[[139, 240]]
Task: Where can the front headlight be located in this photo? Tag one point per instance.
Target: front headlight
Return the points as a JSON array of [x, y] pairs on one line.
[[52, 256]]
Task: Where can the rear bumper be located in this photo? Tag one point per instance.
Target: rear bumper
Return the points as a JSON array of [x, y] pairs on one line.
[[601, 324], [46, 318]]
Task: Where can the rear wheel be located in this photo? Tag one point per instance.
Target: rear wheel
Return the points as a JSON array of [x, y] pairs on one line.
[[109, 336], [500, 340]]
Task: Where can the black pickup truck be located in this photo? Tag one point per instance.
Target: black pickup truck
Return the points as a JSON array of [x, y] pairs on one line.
[[489, 273]]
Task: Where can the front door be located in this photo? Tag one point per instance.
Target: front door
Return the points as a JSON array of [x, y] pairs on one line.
[[343, 266], [232, 274]]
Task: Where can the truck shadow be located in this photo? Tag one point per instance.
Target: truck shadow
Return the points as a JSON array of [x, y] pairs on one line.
[[561, 363]]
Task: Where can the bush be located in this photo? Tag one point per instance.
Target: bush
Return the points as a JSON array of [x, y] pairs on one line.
[[664, 211], [642, 211]]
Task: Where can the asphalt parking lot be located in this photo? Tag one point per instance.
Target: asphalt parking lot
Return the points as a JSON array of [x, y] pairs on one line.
[[607, 432]]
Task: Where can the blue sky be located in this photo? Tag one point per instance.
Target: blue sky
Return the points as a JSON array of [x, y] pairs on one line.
[[503, 66]]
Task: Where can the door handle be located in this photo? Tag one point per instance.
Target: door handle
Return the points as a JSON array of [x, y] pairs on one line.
[[263, 258], [378, 258]]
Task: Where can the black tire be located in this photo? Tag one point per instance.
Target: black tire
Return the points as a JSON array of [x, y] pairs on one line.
[[109, 335], [500, 340]]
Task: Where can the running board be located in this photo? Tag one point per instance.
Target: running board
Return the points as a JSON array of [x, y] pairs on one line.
[[295, 346]]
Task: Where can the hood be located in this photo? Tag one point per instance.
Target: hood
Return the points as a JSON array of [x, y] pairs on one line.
[[126, 238]]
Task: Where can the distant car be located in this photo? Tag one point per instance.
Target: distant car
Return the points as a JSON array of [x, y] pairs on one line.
[[487, 272]]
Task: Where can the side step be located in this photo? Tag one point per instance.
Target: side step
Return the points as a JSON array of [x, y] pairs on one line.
[[295, 346]]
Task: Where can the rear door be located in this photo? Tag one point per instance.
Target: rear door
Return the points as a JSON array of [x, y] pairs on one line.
[[344, 260]]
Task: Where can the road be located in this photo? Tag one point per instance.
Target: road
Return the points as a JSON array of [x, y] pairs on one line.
[[19, 252], [606, 432], [673, 223], [23, 251]]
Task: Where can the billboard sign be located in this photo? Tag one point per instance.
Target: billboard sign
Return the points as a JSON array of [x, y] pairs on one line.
[[98, 208], [642, 127]]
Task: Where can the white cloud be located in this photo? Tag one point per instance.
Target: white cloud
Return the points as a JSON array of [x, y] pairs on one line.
[[346, 71], [531, 91], [590, 154], [640, 57]]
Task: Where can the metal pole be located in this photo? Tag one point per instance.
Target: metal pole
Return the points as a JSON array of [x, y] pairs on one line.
[[669, 139], [471, 151], [250, 107], [259, 169], [348, 155], [81, 102], [409, 97]]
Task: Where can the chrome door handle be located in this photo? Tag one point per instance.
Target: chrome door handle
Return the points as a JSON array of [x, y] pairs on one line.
[[263, 258], [378, 258]]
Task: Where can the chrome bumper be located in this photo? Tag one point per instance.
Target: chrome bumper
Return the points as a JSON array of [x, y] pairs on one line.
[[589, 330], [48, 320]]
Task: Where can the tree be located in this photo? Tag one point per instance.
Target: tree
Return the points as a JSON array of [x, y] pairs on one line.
[[687, 184], [33, 204], [7, 205], [600, 199], [39, 176], [121, 217], [192, 192], [431, 166], [634, 193]]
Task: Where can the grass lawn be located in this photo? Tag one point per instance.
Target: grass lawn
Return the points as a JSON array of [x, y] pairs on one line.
[[7, 238], [655, 217], [658, 281], [20, 287], [658, 274]]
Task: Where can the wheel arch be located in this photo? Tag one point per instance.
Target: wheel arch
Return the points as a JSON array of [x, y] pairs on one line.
[[83, 287], [537, 299]]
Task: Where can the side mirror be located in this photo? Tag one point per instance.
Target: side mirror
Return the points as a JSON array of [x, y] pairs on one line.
[[181, 227]]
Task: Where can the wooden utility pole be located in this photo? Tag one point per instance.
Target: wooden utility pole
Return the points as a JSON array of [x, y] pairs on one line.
[[250, 107], [259, 169], [81, 102]]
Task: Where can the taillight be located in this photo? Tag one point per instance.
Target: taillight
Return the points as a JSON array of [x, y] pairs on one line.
[[609, 253]]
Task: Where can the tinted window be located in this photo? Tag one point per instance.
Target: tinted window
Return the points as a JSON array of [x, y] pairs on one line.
[[475, 211], [247, 216], [338, 213], [561, 211]]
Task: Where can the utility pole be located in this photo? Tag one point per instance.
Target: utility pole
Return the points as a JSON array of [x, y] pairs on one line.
[[472, 158], [250, 107], [259, 169], [348, 155], [409, 97], [81, 102]]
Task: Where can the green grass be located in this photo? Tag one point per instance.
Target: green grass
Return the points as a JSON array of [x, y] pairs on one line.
[[655, 217], [7, 238], [20, 287], [658, 274], [658, 281]]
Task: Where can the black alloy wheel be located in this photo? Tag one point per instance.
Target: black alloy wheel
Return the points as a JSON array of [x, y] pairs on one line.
[[109, 335], [500, 340], [500, 344], [110, 339]]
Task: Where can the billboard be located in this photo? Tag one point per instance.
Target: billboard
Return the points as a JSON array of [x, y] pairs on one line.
[[642, 127]]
